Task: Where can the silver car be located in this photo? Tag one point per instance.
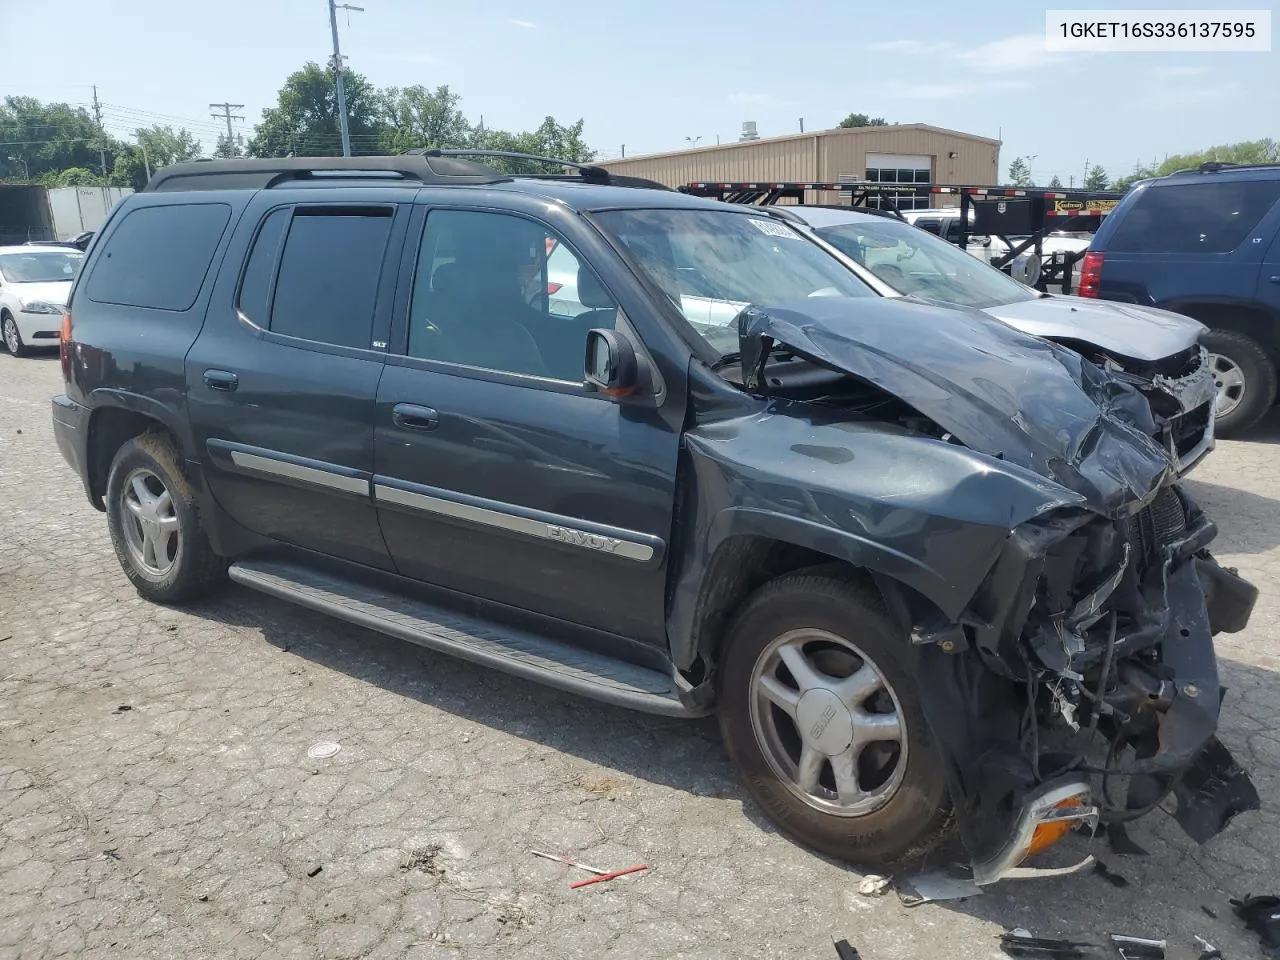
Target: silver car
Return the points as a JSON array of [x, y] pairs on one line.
[[1158, 351]]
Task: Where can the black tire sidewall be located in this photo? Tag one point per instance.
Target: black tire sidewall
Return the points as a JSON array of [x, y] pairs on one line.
[[918, 815], [1259, 376], [184, 577]]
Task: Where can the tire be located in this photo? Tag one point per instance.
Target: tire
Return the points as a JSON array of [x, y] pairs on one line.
[[1238, 357], [11, 337], [180, 565], [914, 814]]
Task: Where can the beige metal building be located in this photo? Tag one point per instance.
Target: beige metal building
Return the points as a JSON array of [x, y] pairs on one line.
[[901, 153]]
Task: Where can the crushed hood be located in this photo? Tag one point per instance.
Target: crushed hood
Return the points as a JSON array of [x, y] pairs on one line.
[[1119, 329], [996, 390]]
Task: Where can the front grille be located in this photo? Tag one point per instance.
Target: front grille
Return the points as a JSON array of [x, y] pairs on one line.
[[1161, 523], [1189, 429]]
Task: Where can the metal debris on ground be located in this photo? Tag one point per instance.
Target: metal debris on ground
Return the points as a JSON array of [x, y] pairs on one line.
[[568, 863], [1207, 950], [599, 878], [1020, 943], [1138, 948], [873, 885], [323, 750], [940, 884], [1261, 915], [845, 950]]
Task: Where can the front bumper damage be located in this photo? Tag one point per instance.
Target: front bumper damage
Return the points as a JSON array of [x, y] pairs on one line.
[[1082, 681], [1182, 395]]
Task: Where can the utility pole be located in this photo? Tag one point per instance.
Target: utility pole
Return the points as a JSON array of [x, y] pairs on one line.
[[337, 72], [802, 124], [97, 116], [228, 116], [624, 151], [146, 160]]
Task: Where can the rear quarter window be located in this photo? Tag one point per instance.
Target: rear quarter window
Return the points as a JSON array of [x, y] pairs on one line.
[[1213, 217], [158, 256]]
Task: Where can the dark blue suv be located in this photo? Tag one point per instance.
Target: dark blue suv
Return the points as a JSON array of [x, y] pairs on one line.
[[1205, 243]]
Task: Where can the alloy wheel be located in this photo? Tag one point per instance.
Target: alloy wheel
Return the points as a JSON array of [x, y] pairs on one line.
[[150, 524], [828, 723], [11, 336], [1230, 382]]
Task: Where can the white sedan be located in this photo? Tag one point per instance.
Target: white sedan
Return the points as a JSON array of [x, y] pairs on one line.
[[34, 285]]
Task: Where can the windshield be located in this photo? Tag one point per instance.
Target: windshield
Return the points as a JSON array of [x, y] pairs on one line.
[[917, 263], [42, 267], [711, 264]]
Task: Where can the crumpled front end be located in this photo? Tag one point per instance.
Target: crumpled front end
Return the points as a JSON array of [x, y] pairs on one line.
[[1181, 391], [1102, 632]]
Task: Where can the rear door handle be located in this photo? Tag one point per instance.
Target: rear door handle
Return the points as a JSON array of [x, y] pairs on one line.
[[1275, 279], [223, 380], [410, 416]]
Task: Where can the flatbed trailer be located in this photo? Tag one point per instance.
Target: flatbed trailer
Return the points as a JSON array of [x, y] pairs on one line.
[[1029, 214]]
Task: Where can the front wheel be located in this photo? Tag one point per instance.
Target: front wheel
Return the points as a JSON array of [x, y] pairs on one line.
[[12, 338], [822, 716], [1245, 379], [155, 524]]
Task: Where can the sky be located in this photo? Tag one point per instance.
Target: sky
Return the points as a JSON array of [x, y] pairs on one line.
[[651, 75]]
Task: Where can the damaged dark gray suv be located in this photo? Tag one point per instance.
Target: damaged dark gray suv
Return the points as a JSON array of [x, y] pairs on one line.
[[931, 573]]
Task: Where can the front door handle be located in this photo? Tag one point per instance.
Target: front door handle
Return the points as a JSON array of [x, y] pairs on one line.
[[223, 380], [410, 416]]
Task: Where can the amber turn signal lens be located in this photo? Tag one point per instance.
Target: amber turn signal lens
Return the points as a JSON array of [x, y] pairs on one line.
[[1047, 834]]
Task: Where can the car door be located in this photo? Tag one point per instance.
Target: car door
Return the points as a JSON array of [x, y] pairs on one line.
[[498, 473], [283, 377], [1269, 278]]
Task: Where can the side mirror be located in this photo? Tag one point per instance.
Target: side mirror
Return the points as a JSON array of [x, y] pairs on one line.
[[611, 366]]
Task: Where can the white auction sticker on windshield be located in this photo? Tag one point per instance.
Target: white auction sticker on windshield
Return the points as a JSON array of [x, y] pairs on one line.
[[771, 229]]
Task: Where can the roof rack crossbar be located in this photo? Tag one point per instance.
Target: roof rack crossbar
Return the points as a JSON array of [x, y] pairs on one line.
[[588, 171]]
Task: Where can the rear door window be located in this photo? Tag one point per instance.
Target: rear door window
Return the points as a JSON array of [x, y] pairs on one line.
[[1210, 217], [158, 256], [327, 279]]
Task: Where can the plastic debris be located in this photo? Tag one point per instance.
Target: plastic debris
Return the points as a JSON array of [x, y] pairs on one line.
[[1137, 948], [845, 950], [936, 885], [1020, 943], [568, 863], [323, 750], [873, 885], [600, 878], [1207, 950], [314, 869], [123, 708]]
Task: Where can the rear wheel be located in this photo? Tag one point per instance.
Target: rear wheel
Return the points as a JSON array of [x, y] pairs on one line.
[[821, 714], [155, 524], [1245, 378], [12, 338]]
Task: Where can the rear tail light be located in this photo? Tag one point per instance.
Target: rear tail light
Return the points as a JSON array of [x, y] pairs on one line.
[[64, 346], [1091, 276], [552, 287]]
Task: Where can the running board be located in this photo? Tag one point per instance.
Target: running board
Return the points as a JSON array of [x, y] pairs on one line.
[[509, 649]]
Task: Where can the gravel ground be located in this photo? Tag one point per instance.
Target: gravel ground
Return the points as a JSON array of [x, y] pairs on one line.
[[157, 800]]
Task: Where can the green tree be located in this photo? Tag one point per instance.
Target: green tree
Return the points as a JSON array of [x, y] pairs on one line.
[[47, 138], [1020, 173], [550, 139], [863, 120], [418, 117], [1096, 178], [304, 121], [1140, 172], [78, 177], [1055, 183]]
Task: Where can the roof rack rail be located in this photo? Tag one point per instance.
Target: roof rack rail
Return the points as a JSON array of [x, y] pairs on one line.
[[587, 172], [274, 171], [1214, 166]]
